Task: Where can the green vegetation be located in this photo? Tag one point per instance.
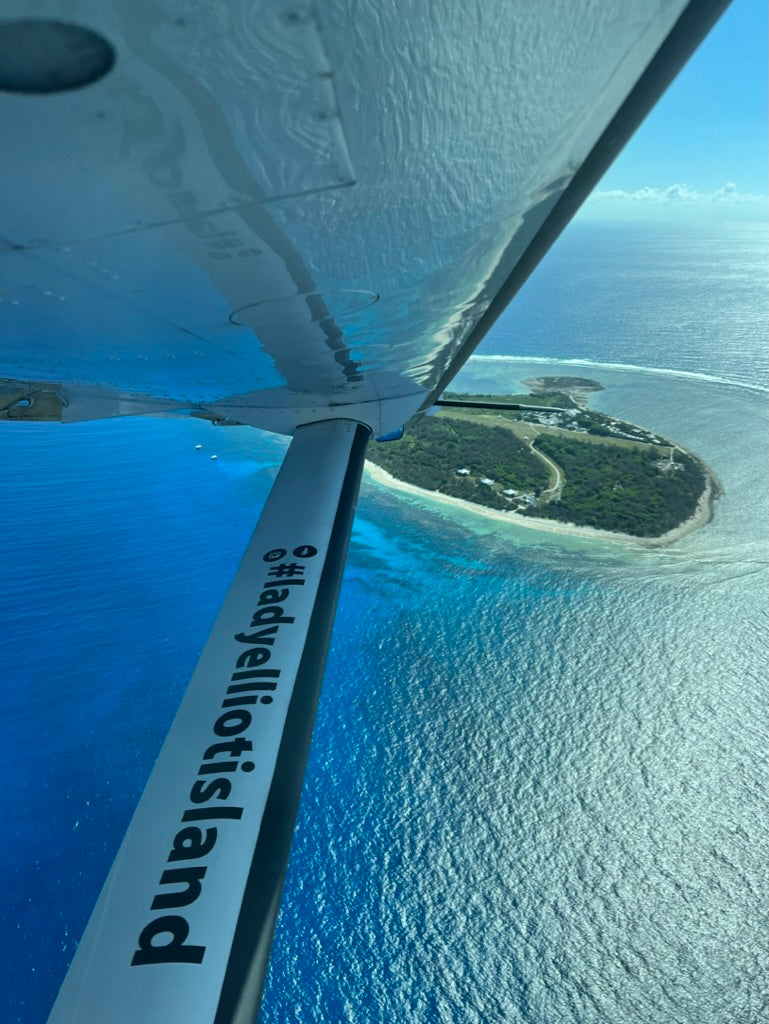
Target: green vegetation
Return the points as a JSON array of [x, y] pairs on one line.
[[572, 466], [436, 447], [552, 398], [628, 490]]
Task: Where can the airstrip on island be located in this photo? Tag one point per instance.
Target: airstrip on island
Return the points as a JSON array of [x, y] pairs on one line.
[[550, 462]]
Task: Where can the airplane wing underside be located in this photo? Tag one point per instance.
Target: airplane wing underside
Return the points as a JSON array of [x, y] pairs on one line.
[[276, 213]]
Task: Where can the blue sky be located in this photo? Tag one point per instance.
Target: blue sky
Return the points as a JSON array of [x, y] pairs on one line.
[[703, 149]]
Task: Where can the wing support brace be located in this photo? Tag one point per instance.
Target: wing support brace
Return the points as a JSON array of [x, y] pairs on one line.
[[182, 929]]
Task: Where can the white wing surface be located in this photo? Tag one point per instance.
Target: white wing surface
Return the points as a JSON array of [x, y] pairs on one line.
[[274, 212]]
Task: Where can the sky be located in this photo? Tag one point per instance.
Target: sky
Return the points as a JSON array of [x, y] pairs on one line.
[[702, 151]]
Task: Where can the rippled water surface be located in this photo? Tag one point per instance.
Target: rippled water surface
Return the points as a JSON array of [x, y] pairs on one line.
[[536, 791]]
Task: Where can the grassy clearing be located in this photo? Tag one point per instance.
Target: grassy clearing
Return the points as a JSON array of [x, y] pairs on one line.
[[522, 429]]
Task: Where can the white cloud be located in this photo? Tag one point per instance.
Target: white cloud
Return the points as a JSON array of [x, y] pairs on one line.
[[674, 198]]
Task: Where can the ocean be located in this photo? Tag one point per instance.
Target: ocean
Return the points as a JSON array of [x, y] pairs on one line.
[[537, 787]]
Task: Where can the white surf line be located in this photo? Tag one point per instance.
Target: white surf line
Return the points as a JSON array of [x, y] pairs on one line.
[[623, 368]]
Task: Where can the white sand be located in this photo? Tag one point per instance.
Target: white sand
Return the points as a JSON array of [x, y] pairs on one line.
[[701, 516]]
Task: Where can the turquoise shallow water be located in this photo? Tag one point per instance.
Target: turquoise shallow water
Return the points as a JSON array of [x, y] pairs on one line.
[[556, 751], [536, 791]]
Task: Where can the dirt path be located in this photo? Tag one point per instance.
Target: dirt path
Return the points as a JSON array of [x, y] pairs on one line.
[[553, 492]]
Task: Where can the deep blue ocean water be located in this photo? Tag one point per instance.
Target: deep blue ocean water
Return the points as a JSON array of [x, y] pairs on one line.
[[537, 787]]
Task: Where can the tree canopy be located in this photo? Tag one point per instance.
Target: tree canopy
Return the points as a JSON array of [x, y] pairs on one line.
[[643, 489]]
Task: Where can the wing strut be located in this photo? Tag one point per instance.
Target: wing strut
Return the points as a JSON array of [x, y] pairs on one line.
[[183, 926]]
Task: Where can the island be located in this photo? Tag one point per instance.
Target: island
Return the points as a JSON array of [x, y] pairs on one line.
[[545, 460]]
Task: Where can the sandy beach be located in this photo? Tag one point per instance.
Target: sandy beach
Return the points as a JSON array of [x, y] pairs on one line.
[[702, 514]]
